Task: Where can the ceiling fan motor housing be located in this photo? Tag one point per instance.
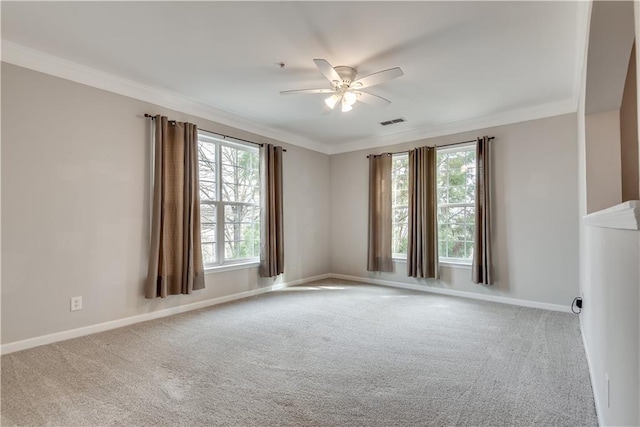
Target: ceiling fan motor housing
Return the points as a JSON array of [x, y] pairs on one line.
[[347, 74]]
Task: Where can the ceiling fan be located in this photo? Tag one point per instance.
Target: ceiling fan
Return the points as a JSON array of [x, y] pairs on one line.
[[345, 89]]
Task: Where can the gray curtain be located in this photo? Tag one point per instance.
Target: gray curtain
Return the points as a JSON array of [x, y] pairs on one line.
[[271, 223], [481, 268], [422, 249], [379, 256], [175, 259]]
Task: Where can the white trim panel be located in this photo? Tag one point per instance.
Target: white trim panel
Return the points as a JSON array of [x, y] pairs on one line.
[[596, 397], [113, 324], [452, 292], [625, 216]]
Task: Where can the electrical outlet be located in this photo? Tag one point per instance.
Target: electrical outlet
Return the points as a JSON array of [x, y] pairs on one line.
[[76, 303]]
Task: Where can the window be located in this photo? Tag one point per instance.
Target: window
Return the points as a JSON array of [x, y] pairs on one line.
[[456, 175], [456, 185], [229, 201], [400, 204]]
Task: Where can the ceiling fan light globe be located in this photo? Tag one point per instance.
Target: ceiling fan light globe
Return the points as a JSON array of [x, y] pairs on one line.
[[350, 98], [332, 101], [346, 107]]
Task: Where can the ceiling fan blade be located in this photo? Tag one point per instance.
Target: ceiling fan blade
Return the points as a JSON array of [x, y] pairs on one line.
[[377, 78], [371, 99], [304, 91], [329, 72]]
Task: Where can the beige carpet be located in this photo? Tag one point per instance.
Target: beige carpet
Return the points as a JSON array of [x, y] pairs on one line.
[[329, 354]]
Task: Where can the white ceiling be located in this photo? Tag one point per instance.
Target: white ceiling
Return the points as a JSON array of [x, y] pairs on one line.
[[465, 63]]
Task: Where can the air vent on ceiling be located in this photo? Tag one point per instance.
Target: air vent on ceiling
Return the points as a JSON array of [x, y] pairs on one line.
[[392, 122]]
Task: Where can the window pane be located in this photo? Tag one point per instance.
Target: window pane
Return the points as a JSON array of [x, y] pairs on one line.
[[207, 191], [471, 191], [456, 249], [208, 232], [457, 194], [206, 151], [400, 230], [470, 232], [469, 251], [400, 202], [458, 231], [207, 213], [470, 215], [207, 170], [449, 214], [241, 232], [240, 175]]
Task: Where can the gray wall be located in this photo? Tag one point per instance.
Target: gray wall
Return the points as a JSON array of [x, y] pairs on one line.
[[629, 134], [535, 218], [75, 207], [604, 183]]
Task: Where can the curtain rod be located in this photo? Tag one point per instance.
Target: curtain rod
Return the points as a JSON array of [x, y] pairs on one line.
[[436, 146], [149, 116]]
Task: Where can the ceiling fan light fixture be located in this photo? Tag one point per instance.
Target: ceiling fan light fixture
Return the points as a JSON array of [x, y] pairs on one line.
[[332, 101], [345, 88], [350, 98]]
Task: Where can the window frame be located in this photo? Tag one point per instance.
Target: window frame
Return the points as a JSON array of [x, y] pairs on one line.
[[398, 255], [220, 261], [451, 260]]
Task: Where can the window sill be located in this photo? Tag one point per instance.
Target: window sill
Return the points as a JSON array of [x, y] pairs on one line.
[[451, 264], [446, 264], [230, 267]]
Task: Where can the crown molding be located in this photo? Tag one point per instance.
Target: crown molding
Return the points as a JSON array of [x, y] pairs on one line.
[[42, 62], [510, 117]]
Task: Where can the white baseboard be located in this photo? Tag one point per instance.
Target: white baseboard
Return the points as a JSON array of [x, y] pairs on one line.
[[300, 281], [596, 396], [424, 288], [113, 324]]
